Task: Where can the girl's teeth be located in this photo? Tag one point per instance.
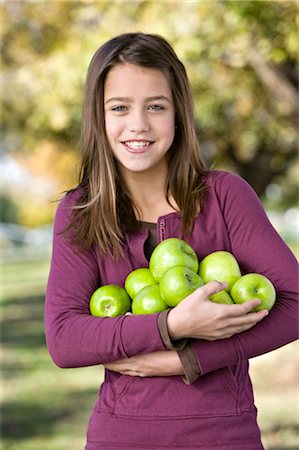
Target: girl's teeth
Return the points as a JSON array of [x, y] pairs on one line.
[[135, 144]]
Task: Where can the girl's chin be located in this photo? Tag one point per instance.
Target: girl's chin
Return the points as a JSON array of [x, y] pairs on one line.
[[137, 169], [128, 168]]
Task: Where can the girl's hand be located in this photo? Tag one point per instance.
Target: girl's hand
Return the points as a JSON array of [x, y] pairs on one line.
[[163, 363], [198, 317]]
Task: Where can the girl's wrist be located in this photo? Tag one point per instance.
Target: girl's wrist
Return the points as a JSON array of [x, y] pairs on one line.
[[174, 325]]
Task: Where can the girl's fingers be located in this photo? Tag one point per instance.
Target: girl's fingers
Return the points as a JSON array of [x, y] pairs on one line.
[[212, 288], [198, 317], [235, 310], [244, 308], [232, 326], [245, 322]]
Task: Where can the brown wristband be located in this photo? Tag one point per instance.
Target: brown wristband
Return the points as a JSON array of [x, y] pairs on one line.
[[162, 325], [189, 363]]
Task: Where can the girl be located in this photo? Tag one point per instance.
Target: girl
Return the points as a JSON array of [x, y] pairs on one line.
[[177, 379]]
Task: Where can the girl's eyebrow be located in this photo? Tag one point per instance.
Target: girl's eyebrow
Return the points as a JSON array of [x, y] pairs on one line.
[[158, 97], [127, 99]]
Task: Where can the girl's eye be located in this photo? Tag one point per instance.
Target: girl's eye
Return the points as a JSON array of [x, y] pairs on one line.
[[156, 108], [119, 108]]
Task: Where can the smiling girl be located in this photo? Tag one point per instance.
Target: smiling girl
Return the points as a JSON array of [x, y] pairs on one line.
[[179, 378]]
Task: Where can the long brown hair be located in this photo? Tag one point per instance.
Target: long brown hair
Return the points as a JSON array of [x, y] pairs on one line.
[[105, 211]]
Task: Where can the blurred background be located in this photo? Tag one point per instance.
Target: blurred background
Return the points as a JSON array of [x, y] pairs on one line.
[[242, 61]]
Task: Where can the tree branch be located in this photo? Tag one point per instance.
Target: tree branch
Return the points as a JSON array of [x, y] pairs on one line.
[[275, 81]]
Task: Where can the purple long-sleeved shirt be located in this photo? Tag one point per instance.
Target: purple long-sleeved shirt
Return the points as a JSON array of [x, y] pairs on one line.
[[217, 409]]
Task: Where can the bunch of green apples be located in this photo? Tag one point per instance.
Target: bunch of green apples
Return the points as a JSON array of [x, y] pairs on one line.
[[174, 272]]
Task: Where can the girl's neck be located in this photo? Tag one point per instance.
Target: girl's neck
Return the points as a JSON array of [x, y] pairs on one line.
[[152, 206], [148, 193]]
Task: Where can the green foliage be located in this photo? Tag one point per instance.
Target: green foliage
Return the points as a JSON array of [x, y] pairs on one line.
[[241, 58], [8, 209]]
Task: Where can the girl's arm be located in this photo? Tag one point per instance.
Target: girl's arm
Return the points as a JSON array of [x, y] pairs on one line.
[[74, 337], [218, 341], [214, 322], [258, 248], [163, 363]]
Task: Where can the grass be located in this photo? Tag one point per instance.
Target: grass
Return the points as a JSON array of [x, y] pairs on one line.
[[43, 407], [47, 408], [275, 380]]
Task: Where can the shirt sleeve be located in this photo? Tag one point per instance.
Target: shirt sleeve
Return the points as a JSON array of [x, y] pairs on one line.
[[190, 365], [258, 248], [74, 337], [183, 348]]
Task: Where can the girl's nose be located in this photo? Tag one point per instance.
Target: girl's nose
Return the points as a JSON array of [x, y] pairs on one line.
[[139, 122]]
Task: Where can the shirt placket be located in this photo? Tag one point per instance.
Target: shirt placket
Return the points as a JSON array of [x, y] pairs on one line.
[[162, 229]]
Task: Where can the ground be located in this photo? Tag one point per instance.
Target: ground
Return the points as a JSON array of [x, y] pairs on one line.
[[40, 401]]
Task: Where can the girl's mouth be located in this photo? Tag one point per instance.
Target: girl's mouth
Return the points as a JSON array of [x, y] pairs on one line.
[[137, 146]]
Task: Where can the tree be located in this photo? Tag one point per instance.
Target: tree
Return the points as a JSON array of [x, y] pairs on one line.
[[241, 58]]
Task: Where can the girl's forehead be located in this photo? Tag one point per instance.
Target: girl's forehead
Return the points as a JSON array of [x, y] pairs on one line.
[[128, 76]]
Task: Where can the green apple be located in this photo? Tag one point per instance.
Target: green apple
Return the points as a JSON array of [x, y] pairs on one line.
[[109, 301], [137, 280], [177, 283], [172, 252], [222, 297], [220, 266], [254, 285], [148, 301]]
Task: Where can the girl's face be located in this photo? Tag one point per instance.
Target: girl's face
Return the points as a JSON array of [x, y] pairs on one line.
[[139, 117]]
